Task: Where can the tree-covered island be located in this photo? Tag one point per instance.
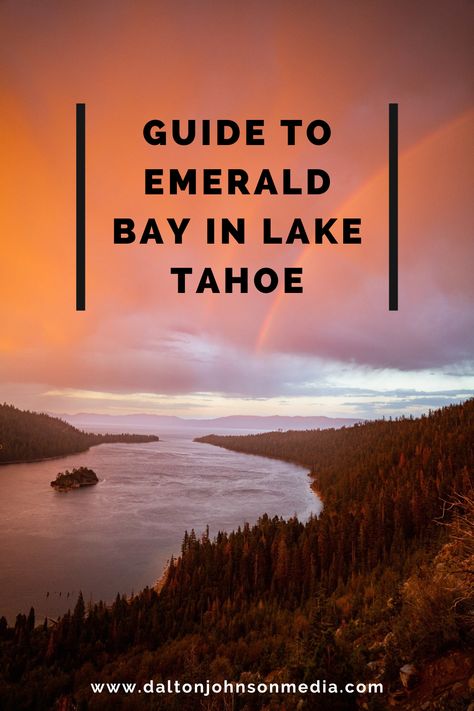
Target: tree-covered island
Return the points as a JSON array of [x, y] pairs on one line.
[[75, 479]]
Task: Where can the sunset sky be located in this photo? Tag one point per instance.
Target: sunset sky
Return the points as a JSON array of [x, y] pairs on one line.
[[335, 349]]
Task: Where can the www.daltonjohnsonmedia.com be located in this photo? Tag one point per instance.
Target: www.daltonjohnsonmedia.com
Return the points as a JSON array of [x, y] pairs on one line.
[[208, 688]]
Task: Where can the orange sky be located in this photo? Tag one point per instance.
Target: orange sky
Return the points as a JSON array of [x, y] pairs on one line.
[[140, 346]]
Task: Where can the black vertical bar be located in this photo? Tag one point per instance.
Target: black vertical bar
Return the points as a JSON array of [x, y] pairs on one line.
[[393, 207], [80, 207]]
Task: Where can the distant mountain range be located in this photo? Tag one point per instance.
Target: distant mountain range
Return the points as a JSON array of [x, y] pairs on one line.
[[231, 422]]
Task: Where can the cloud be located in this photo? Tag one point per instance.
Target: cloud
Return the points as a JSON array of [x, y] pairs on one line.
[[194, 376], [138, 335]]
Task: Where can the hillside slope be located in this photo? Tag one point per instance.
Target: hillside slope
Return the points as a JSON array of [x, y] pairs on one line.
[[27, 436]]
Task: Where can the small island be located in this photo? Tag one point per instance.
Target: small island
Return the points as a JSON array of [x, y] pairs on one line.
[[75, 479]]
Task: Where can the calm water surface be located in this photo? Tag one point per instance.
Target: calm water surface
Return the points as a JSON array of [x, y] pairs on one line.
[[118, 535]]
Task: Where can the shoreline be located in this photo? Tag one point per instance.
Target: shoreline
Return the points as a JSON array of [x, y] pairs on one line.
[[61, 456], [310, 473], [49, 459], [159, 582]]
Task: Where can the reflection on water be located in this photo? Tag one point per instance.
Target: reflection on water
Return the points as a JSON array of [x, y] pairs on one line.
[[118, 535]]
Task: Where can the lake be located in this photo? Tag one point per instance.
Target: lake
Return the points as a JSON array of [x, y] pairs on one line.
[[118, 535]]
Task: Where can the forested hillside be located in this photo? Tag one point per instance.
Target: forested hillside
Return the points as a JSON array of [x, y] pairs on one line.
[[26, 436], [383, 483], [383, 578]]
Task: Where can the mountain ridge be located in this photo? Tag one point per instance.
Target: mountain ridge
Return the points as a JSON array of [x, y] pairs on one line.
[[270, 422]]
